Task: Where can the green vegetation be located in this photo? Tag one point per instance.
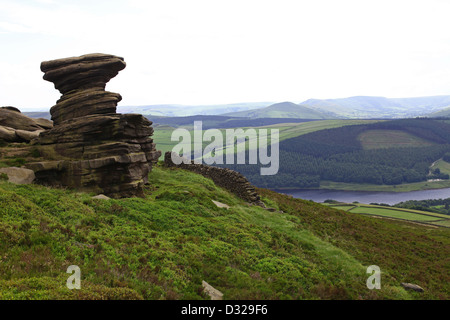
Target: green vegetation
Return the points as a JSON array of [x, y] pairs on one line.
[[162, 134], [405, 187], [162, 246], [292, 130], [338, 155], [447, 157], [379, 139], [434, 205], [397, 212]]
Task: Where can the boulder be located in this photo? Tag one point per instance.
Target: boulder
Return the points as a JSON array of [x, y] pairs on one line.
[[28, 135], [8, 134], [101, 197], [17, 120], [17, 127], [18, 175], [413, 287], [213, 293], [43, 123], [220, 204]]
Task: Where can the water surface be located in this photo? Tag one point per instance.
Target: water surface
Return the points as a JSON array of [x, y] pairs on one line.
[[367, 196]]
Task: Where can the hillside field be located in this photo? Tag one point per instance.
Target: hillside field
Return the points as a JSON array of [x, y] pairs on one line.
[[379, 139], [397, 213], [162, 134], [163, 246]]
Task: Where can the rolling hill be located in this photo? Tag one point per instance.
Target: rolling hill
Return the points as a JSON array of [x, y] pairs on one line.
[[442, 113], [380, 107], [162, 246], [352, 108], [284, 110], [178, 110]]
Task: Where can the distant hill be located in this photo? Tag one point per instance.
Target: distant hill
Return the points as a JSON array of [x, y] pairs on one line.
[[442, 113], [380, 107], [39, 114], [177, 110], [284, 110], [358, 107], [219, 122]]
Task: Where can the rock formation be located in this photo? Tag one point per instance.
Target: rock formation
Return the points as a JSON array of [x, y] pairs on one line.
[[91, 147], [16, 127]]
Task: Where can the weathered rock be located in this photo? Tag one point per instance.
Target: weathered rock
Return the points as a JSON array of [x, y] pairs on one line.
[[11, 108], [220, 204], [211, 291], [43, 123], [84, 72], [28, 135], [8, 134], [411, 286], [101, 197], [17, 120], [16, 127], [91, 147], [19, 175]]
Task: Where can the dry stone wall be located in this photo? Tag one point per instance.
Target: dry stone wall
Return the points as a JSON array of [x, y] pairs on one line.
[[226, 178]]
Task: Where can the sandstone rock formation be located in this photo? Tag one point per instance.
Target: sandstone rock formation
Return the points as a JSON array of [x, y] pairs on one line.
[[16, 127], [91, 147]]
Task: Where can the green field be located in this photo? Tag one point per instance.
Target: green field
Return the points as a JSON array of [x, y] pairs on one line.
[[377, 139], [405, 187], [162, 134], [292, 130], [442, 165], [396, 213]]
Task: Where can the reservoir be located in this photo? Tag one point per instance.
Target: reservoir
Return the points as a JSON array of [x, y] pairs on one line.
[[367, 197]]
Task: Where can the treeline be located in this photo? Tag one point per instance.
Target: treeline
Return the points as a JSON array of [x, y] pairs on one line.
[[337, 155], [435, 205]]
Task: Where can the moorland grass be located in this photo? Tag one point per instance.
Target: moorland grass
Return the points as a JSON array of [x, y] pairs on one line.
[[163, 246]]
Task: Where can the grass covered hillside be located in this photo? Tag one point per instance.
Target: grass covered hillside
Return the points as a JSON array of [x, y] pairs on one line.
[[163, 246]]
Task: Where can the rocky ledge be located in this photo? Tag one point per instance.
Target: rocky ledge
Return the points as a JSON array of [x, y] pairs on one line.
[[91, 147], [16, 127]]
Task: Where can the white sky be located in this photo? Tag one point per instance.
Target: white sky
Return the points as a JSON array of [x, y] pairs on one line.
[[228, 51]]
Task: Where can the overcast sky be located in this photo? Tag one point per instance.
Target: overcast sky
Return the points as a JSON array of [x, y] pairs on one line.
[[228, 51]]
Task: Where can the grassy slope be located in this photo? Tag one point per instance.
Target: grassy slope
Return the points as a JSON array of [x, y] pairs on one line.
[[396, 213], [443, 166], [405, 187], [379, 139], [163, 246]]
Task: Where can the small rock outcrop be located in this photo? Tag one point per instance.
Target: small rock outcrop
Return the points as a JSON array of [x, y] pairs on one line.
[[18, 175], [413, 287], [17, 127], [91, 147], [226, 178], [213, 293]]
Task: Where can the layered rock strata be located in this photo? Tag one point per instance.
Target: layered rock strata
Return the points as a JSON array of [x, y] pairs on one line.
[[91, 147], [228, 179], [16, 127]]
